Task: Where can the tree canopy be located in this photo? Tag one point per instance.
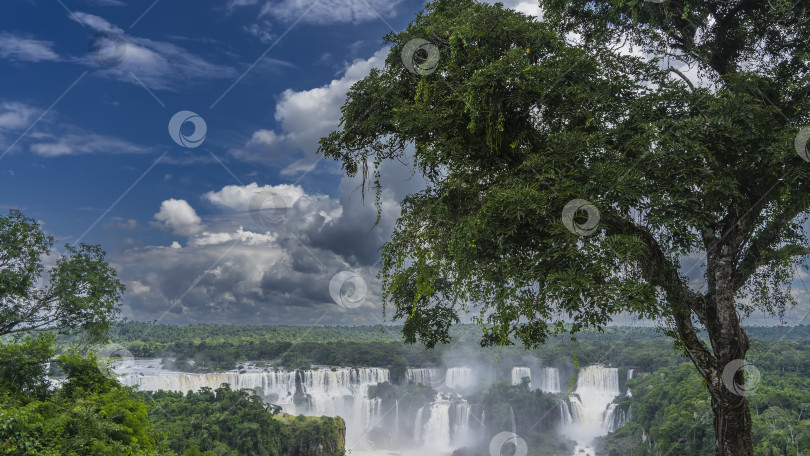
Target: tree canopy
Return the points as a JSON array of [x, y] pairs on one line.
[[570, 180], [79, 293]]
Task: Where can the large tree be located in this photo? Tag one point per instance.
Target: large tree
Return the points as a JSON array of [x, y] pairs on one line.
[[79, 293], [569, 181]]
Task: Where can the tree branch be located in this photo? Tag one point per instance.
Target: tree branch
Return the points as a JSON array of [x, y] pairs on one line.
[[659, 271], [763, 245], [683, 76]]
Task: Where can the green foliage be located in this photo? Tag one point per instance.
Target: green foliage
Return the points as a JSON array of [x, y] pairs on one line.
[[313, 436], [494, 129], [90, 415], [22, 367], [81, 294], [83, 374], [224, 421], [234, 423], [672, 409]]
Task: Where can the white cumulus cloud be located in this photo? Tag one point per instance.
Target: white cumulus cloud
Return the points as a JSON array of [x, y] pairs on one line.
[[306, 116], [237, 197], [179, 217]]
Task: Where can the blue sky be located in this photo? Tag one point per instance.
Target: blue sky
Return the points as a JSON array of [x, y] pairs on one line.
[[85, 148]]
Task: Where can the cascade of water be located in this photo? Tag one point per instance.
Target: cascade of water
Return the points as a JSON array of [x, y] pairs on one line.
[[598, 379], [417, 425], [396, 415], [422, 375], [629, 393], [565, 414], [615, 418], [512, 419], [550, 380], [609, 421], [458, 377], [437, 429], [621, 420], [576, 409], [518, 373], [592, 411], [461, 423]]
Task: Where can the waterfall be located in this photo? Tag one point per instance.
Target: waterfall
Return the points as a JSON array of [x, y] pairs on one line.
[[422, 375], [512, 419], [565, 414], [417, 425], [598, 379], [629, 377], [448, 422], [518, 373], [550, 380], [615, 417], [461, 423], [459, 377], [575, 409], [436, 431], [444, 423], [592, 412], [609, 422]]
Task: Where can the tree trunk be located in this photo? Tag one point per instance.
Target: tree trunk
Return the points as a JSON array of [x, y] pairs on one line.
[[732, 423], [723, 367], [732, 418]]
